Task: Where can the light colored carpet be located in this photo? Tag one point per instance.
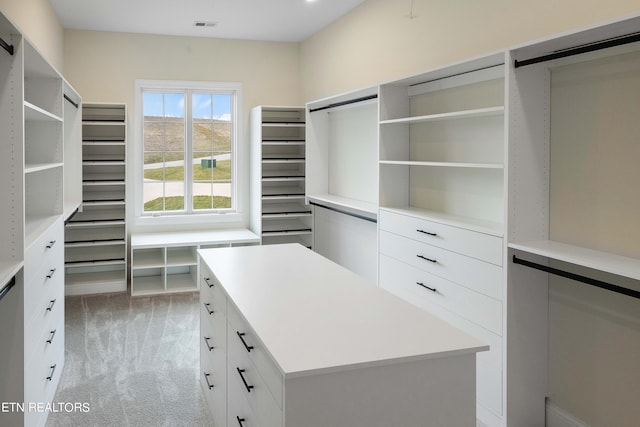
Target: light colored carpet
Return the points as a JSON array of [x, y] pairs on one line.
[[134, 360]]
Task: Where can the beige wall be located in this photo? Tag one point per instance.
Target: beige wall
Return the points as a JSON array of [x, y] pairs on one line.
[[38, 21], [103, 67], [377, 42]]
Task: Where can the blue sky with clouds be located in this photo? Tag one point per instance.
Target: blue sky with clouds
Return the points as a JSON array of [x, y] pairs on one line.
[[205, 105]]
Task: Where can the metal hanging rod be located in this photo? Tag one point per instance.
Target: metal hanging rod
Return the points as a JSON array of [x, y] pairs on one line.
[[584, 279], [604, 44], [345, 212], [4, 291], [340, 104], [75, 104], [6, 46]]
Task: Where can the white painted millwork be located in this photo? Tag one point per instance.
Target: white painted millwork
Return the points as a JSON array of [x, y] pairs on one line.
[[303, 346], [39, 139]]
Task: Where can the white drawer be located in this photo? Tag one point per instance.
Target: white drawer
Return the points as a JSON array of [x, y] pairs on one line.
[[47, 280], [466, 242], [240, 335], [244, 373], [420, 285], [42, 338], [42, 374], [239, 412], [488, 363], [211, 290], [213, 321], [214, 387], [47, 249], [52, 301], [477, 275]]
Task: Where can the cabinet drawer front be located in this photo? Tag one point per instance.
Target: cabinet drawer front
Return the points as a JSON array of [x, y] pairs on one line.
[[42, 338], [213, 323], [478, 245], [420, 285], [239, 411], [42, 374], [244, 373], [488, 363], [476, 275], [47, 249], [48, 279], [210, 288], [214, 387], [38, 311], [258, 355]]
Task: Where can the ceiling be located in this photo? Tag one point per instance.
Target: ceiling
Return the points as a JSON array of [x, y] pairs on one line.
[[273, 20]]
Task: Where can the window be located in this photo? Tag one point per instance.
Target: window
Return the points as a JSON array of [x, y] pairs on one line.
[[188, 135]]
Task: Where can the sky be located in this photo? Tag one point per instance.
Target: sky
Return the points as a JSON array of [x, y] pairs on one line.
[[205, 105]]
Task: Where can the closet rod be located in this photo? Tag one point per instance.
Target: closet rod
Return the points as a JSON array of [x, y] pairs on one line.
[[588, 280], [340, 104], [75, 104], [604, 44], [344, 212], [6, 46], [7, 287]]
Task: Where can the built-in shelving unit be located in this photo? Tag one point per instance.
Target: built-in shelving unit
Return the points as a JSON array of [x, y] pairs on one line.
[[442, 205], [342, 178], [168, 262], [96, 238], [279, 213], [35, 158]]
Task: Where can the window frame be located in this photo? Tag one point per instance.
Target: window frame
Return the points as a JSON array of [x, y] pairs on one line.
[[194, 217]]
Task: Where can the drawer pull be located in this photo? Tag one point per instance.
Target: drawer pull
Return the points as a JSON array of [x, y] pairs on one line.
[[240, 372], [207, 305], [426, 232], [51, 273], [206, 280], [206, 378], [53, 369], [426, 259], [426, 287], [50, 244], [51, 304], [241, 335], [206, 340], [53, 334], [240, 421]]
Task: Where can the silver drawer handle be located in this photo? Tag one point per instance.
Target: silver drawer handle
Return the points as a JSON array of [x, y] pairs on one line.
[[426, 287], [206, 378], [51, 273], [50, 244]]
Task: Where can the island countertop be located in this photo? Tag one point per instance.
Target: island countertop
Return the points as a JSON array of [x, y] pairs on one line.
[[315, 316]]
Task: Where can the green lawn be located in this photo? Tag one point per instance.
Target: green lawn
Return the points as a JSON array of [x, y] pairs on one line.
[[222, 172], [175, 203]]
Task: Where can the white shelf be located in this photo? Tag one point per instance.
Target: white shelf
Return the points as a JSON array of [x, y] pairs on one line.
[[36, 225], [95, 243], [282, 142], [478, 112], [35, 113], [181, 283], [98, 278], [590, 258], [148, 258], [444, 164], [82, 264], [181, 257], [100, 143], [38, 167], [147, 285], [192, 238], [8, 269], [283, 124], [93, 223]]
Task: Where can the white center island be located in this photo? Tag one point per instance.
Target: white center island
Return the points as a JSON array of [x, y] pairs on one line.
[[292, 339]]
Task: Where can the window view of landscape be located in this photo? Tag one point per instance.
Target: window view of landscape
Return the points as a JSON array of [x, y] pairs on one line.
[[175, 167]]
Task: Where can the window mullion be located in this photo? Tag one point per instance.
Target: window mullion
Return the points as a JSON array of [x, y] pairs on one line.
[[188, 153]]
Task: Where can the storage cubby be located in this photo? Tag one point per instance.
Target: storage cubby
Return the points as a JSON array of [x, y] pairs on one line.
[[103, 217], [278, 161], [43, 201], [168, 262]]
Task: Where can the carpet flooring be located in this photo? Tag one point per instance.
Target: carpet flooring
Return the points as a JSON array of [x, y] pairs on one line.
[[135, 361]]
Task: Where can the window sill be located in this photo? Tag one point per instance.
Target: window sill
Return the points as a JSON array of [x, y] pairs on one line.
[[188, 220]]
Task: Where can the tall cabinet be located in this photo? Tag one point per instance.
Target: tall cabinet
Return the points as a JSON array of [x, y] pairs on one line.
[[442, 186], [37, 128], [96, 237], [278, 210]]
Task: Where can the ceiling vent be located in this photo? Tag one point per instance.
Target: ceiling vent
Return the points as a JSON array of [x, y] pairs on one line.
[[203, 24]]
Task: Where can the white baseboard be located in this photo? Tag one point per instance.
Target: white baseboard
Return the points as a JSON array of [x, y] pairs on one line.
[[557, 417]]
